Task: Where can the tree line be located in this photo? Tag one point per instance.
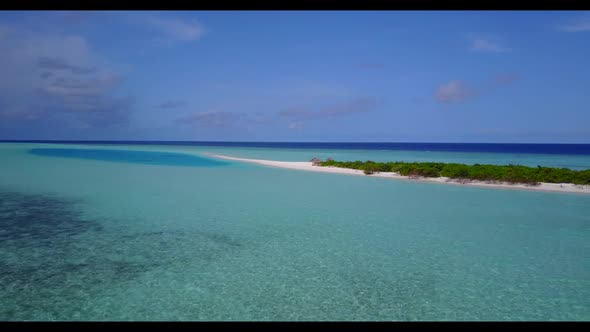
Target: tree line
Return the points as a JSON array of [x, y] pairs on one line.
[[505, 173]]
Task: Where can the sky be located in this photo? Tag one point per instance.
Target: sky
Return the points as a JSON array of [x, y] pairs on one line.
[[298, 76]]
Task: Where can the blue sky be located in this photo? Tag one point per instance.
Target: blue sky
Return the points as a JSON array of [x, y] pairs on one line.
[[382, 76]]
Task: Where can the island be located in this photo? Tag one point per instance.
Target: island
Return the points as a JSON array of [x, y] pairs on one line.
[[491, 176], [502, 173]]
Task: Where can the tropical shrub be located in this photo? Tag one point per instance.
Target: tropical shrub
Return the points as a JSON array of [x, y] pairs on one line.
[[504, 173]]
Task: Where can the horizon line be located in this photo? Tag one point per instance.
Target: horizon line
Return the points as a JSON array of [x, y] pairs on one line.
[[294, 142]]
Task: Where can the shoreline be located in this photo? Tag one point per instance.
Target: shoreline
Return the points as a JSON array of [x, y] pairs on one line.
[[307, 166]]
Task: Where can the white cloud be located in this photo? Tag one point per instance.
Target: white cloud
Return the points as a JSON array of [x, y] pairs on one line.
[[487, 45], [56, 76], [177, 28], [452, 92], [578, 25]]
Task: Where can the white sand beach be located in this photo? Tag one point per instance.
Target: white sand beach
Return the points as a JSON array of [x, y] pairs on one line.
[[307, 166]]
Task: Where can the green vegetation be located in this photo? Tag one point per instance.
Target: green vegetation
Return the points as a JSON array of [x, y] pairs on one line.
[[504, 173]]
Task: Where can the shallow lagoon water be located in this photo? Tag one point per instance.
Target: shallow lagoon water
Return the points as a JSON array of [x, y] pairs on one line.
[[84, 239]]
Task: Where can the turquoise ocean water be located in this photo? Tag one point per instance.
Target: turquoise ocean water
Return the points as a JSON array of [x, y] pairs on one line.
[[88, 239]]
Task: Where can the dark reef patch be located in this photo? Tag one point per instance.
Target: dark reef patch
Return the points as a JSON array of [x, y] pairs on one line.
[[54, 261], [39, 217]]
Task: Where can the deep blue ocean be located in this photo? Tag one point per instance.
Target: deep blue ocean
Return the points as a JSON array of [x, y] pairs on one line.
[[565, 149]]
